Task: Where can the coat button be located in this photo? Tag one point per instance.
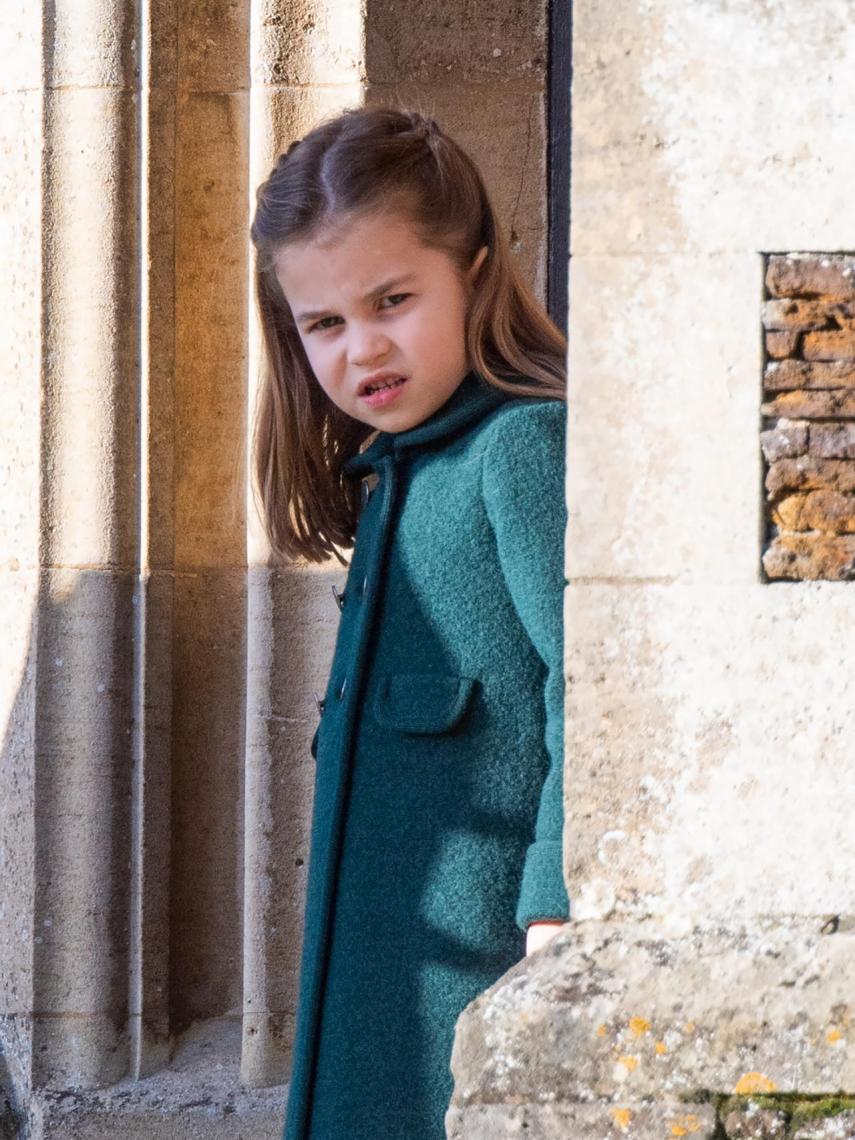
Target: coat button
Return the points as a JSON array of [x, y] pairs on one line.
[[320, 702], [339, 597], [369, 482]]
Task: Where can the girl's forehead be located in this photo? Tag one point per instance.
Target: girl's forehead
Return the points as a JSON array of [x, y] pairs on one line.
[[353, 256], [361, 234]]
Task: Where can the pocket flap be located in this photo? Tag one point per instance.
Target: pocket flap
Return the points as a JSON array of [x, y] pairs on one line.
[[422, 702]]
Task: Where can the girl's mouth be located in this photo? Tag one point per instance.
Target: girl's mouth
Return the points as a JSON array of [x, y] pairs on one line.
[[383, 394]]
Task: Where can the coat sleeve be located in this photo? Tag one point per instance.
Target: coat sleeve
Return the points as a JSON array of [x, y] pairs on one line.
[[523, 487]]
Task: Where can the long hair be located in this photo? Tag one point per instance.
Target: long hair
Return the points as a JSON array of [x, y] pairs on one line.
[[361, 160]]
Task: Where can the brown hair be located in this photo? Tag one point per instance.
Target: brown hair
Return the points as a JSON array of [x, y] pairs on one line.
[[362, 160]]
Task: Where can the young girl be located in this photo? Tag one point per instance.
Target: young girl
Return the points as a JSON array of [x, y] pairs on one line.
[[393, 317]]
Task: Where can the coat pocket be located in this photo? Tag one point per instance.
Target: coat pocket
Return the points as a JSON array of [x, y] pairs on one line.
[[422, 702]]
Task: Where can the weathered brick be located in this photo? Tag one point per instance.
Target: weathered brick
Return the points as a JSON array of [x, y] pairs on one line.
[[804, 473], [835, 404], [840, 1126], [811, 276], [785, 375], [827, 511], [838, 345], [754, 1123], [811, 557], [789, 313], [782, 344], [831, 441], [784, 441]]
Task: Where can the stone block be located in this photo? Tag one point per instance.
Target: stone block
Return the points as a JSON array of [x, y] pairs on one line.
[[811, 275], [789, 313], [304, 48], [211, 45], [784, 441], [625, 1012], [210, 330], [782, 343], [836, 404], [655, 174], [639, 461], [832, 441], [788, 374], [828, 512], [804, 473], [838, 345], [709, 724], [491, 42], [811, 557]]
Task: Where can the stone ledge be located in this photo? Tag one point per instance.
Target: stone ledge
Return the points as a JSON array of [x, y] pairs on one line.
[[632, 1011]]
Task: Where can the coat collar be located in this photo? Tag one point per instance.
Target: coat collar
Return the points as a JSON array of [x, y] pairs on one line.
[[472, 398]]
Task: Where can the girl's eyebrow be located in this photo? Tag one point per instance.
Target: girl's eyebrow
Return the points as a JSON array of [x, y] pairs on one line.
[[379, 290]]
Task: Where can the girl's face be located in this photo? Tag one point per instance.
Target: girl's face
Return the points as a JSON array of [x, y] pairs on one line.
[[374, 307]]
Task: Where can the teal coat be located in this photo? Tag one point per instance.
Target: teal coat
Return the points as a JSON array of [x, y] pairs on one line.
[[437, 817]]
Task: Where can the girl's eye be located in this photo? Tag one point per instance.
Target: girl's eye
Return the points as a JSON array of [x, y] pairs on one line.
[[320, 324], [397, 298]]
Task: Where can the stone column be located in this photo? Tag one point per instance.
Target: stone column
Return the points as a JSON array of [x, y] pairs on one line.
[[710, 720], [70, 552]]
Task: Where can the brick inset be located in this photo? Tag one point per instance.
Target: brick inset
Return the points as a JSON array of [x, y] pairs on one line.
[[809, 409]]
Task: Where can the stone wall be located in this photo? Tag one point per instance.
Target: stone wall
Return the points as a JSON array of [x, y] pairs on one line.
[[809, 388]]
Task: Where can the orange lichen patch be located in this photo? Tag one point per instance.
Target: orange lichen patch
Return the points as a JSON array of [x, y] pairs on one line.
[[638, 1025], [601, 1030], [833, 1036], [754, 1083], [690, 1026], [622, 1117], [685, 1125], [628, 1062], [661, 1047]]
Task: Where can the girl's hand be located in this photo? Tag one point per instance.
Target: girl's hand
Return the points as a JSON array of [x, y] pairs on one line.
[[538, 934]]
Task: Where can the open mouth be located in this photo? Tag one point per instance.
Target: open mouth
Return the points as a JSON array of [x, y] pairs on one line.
[[382, 387]]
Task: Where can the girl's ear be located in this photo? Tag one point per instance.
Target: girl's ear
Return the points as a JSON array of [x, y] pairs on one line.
[[478, 261]]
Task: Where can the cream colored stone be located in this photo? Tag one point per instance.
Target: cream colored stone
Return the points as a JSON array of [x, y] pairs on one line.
[[293, 618], [20, 328], [306, 45], [211, 298], [708, 729], [663, 461], [701, 128], [90, 372]]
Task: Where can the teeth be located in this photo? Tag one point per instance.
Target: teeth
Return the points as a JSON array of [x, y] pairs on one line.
[[380, 387]]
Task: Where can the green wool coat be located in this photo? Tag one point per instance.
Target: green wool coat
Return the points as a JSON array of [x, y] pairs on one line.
[[437, 817]]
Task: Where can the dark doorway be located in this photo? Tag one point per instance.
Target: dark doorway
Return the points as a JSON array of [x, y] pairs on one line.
[[559, 79]]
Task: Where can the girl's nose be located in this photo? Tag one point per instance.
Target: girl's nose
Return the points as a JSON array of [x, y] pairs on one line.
[[366, 344]]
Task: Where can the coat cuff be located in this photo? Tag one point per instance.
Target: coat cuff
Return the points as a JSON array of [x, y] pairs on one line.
[[543, 896]]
